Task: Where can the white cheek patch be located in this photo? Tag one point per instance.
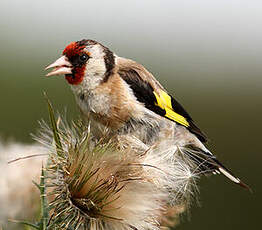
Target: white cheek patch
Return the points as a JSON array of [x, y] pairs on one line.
[[95, 67], [94, 71], [96, 51]]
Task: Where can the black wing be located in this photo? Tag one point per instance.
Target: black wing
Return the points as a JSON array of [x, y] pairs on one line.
[[162, 104]]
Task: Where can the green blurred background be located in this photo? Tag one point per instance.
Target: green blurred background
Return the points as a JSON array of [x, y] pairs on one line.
[[206, 53]]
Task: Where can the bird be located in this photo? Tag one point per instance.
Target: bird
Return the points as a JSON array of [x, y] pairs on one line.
[[122, 95]]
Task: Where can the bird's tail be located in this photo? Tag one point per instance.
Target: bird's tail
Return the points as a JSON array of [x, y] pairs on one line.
[[227, 173], [206, 162]]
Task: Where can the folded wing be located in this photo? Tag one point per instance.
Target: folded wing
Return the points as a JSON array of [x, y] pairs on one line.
[[149, 92]]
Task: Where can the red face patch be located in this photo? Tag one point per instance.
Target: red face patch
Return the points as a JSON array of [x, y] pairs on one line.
[[77, 76], [73, 50]]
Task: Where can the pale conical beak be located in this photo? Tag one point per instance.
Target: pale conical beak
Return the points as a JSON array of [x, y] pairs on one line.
[[61, 66]]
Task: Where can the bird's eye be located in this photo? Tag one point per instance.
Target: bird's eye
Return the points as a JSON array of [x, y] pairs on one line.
[[83, 57]]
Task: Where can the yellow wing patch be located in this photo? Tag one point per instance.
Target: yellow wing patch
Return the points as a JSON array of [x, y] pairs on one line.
[[164, 102]]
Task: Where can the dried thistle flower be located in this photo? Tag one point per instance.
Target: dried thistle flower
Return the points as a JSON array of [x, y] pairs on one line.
[[97, 186], [105, 184]]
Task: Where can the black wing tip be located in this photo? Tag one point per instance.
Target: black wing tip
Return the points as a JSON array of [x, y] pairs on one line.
[[194, 129]]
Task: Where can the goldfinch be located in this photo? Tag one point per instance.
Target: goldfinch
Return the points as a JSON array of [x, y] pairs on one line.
[[126, 98]]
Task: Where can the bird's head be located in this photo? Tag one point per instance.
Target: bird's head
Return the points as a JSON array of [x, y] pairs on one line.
[[84, 61]]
